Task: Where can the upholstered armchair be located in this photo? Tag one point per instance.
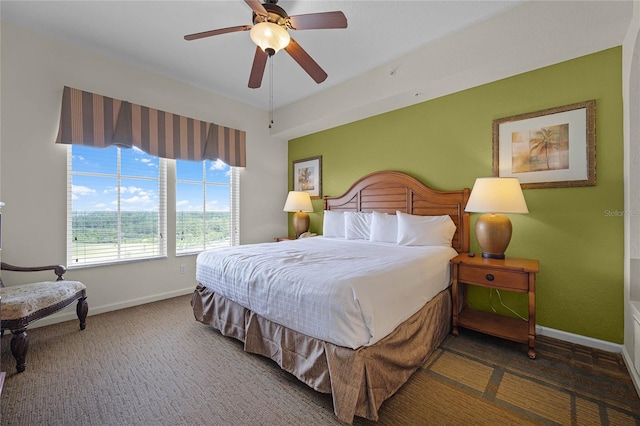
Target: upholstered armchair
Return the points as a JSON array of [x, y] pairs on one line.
[[26, 303]]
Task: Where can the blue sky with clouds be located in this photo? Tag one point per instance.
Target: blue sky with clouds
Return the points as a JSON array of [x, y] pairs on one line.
[[189, 197], [97, 189]]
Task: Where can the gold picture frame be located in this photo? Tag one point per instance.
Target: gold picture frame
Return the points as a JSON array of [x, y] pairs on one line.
[[552, 148], [307, 176]]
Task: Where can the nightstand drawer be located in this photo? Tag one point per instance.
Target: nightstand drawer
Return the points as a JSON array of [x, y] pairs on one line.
[[494, 278]]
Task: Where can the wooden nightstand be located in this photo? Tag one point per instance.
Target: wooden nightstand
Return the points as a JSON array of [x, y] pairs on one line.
[[278, 239], [510, 274]]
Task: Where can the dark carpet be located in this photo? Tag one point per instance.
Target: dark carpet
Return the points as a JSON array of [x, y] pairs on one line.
[[155, 365]]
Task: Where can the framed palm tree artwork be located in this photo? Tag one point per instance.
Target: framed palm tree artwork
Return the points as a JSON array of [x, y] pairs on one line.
[[552, 148], [307, 176]]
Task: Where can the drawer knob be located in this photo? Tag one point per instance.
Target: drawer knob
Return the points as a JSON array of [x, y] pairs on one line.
[[489, 277]]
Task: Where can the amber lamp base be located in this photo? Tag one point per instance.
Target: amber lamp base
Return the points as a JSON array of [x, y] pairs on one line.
[[493, 232], [300, 223]]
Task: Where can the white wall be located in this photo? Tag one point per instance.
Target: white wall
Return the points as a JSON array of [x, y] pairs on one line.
[[530, 36], [631, 94], [33, 168]]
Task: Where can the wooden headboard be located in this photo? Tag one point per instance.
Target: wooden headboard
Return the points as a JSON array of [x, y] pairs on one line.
[[389, 191]]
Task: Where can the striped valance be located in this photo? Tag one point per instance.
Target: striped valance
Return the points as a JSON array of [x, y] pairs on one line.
[[94, 120]]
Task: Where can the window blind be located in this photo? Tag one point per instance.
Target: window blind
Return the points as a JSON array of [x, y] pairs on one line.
[[207, 206], [116, 206], [235, 206]]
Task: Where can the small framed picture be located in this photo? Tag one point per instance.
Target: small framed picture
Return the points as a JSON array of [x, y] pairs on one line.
[[553, 148], [307, 176]]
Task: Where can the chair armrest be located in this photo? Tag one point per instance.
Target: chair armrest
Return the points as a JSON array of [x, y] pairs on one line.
[[59, 270]]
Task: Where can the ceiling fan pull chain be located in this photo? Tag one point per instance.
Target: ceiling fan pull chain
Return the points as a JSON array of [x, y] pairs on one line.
[[270, 91]]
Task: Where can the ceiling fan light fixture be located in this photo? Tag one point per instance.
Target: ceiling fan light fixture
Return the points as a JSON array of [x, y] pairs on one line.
[[270, 37]]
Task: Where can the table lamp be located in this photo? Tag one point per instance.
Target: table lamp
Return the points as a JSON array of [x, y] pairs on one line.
[[494, 196], [300, 203]]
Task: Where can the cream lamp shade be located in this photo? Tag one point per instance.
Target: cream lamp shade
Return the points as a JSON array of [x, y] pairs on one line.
[[300, 203], [269, 37], [494, 196]]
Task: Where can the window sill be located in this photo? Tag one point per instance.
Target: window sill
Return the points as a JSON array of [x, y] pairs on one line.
[[114, 263]]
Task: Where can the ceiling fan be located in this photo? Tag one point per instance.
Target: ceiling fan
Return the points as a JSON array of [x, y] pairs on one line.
[[270, 33]]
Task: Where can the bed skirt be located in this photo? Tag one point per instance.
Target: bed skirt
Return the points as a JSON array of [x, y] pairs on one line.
[[359, 380]]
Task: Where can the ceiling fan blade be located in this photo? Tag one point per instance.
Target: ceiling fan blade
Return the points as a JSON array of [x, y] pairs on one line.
[[204, 34], [257, 70], [305, 61], [257, 7], [317, 21]]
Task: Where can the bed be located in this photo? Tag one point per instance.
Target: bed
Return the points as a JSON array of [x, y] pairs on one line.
[[363, 350]]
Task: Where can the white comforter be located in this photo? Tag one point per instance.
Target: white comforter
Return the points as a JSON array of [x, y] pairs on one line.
[[348, 292]]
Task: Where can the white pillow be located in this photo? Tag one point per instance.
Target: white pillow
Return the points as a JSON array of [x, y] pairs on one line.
[[357, 225], [333, 224], [425, 230], [384, 227]]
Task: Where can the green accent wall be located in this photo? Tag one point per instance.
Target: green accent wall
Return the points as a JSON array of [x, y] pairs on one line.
[[576, 233]]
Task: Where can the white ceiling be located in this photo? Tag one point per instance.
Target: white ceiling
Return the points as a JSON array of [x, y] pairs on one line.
[[150, 35]]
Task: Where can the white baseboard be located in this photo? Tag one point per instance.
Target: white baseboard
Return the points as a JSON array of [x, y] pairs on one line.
[[594, 343], [70, 313], [578, 339], [635, 378]]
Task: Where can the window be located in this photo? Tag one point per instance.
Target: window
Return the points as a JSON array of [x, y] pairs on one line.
[[116, 202], [207, 205]]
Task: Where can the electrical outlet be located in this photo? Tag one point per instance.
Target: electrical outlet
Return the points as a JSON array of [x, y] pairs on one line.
[[183, 268]]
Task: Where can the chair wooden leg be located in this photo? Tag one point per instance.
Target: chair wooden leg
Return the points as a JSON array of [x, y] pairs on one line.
[[82, 308], [19, 348]]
